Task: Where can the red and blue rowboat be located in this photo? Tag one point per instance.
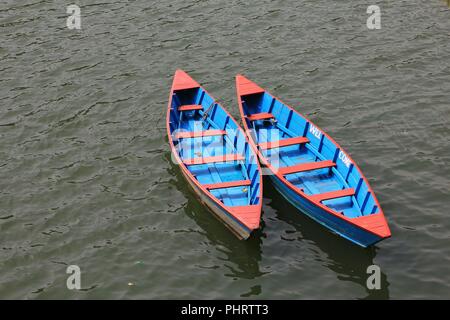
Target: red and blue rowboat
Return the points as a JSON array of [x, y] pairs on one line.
[[309, 168], [214, 155]]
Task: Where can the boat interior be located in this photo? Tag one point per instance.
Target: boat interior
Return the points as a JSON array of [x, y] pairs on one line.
[[213, 149], [306, 157]]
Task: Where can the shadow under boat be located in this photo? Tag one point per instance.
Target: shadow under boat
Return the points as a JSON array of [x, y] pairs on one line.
[[244, 256], [346, 259]]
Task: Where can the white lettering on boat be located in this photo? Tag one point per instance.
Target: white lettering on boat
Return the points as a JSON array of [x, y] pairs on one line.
[[316, 132], [344, 159]]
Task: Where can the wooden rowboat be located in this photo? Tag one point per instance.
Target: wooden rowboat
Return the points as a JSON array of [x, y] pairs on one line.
[[309, 168], [214, 155]]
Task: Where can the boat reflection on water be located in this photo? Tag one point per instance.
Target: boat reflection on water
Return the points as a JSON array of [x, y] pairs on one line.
[[346, 259], [245, 255], [242, 257]]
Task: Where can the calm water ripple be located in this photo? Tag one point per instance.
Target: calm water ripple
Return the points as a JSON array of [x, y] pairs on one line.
[[85, 170]]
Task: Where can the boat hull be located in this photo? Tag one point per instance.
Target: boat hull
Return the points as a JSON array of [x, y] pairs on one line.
[[214, 156], [313, 173], [349, 231]]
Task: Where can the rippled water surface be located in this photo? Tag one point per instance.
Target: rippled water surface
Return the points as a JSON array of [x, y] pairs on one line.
[[85, 170]]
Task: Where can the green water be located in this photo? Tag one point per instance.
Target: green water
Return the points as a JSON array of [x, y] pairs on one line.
[[85, 170]]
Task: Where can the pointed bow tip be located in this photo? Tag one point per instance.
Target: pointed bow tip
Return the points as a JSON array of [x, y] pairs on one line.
[[180, 73], [245, 86], [240, 78], [182, 81], [386, 233], [381, 231]]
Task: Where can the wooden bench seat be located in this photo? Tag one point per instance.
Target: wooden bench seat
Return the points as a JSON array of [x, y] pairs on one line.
[[306, 167]]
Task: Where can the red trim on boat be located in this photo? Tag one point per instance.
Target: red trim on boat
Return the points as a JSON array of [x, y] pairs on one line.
[[260, 116], [375, 222], [246, 86], [248, 215], [197, 134], [306, 167], [222, 158], [229, 184], [189, 107], [183, 81], [283, 143], [332, 194]]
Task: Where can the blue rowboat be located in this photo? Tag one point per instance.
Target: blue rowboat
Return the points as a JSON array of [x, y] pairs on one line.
[[214, 155], [309, 168]]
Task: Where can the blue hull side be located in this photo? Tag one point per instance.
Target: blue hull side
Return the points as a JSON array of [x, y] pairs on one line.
[[336, 225]]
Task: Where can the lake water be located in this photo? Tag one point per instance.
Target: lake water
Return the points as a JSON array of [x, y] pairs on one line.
[[85, 170]]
